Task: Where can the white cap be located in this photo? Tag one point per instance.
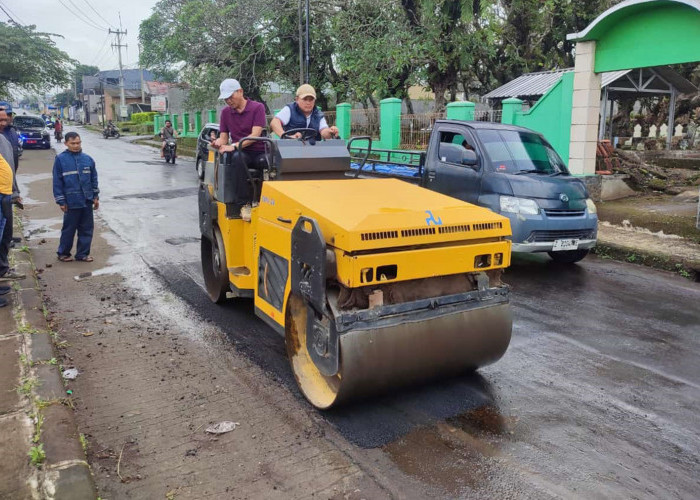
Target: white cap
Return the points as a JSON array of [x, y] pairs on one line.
[[228, 87]]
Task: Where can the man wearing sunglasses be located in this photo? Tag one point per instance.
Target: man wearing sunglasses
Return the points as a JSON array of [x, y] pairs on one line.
[[303, 113]]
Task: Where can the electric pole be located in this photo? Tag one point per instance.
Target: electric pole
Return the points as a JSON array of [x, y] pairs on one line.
[[119, 46]]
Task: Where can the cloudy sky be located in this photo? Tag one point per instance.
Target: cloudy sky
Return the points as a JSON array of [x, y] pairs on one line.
[[83, 24]]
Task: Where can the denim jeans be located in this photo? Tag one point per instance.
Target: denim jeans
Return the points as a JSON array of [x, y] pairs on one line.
[[80, 220], [5, 232]]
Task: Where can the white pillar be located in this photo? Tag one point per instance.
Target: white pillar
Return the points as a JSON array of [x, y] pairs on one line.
[[584, 115]]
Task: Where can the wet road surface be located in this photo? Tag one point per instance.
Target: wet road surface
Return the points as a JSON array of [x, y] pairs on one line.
[[598, 394]]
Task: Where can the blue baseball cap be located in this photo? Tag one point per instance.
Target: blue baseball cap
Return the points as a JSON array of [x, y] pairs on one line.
[[7, 106]]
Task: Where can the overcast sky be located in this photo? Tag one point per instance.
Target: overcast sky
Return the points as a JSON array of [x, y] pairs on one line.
[[78, 24]]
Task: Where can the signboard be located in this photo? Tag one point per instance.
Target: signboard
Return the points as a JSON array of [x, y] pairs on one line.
[[124, 111], [159, 103]]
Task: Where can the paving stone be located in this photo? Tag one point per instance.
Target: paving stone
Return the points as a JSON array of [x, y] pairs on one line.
[[50, 386], [31, 299], [41, 347], [10, 371], [75, 483], [15, 469], [36, 319], [60, 436]]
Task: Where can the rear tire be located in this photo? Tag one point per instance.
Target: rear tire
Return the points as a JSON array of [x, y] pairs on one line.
[[568, 256], [214, 267], [117, 135]]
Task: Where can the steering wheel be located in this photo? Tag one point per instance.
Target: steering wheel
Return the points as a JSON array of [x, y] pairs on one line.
[[306, 134]]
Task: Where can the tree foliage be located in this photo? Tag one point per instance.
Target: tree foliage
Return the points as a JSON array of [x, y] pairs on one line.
[[362, 50], [81, 70], [30, 60]]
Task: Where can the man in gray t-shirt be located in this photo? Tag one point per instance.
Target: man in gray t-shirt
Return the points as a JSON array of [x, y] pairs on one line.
[[167, 133]]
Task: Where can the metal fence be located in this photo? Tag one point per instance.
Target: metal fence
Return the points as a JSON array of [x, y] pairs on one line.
[[488, 115], [364, 122], [416, 129]]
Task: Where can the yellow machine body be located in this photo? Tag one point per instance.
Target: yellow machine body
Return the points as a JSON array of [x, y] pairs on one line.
[[374, 282]]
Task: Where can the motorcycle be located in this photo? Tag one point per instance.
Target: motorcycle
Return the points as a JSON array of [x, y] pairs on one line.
[[169, 151], [58, 134], [111, 131]]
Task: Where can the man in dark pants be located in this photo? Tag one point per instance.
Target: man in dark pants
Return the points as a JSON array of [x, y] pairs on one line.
[[6, 274], [75, 191]]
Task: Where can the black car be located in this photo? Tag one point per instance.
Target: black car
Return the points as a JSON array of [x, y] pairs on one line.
[[209, 132], [33, 131]]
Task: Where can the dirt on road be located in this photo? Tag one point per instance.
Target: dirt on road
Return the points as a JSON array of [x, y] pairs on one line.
[[153, 376]]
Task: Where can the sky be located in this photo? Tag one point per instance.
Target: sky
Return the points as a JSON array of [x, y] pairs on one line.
[[84, 30]]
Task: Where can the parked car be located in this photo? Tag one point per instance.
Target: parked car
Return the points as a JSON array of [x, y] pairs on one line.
[[209, 132], [33, 131], [511, 170]]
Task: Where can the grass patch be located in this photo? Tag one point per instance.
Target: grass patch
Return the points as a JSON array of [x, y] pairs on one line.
[[26, 385], [38, 423], [649, 260], [37, 455], [84, 442]]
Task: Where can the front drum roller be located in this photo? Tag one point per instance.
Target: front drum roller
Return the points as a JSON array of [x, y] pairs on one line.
[[375, 360]]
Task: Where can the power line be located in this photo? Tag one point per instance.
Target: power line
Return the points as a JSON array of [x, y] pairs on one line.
[[85, 16], [98, 14], [11, 17], [87, 22], [104, 44]]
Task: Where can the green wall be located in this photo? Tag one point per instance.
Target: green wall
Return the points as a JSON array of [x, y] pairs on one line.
[[550, 116], [666, 34]]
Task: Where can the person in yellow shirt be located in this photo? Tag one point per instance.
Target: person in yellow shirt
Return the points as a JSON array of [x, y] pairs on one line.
[[6, 274]]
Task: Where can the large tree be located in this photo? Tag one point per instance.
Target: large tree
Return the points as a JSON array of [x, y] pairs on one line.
[[30, 60], [81, 70]]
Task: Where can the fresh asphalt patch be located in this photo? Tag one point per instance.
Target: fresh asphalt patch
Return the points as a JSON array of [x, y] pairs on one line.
[[368, 423], [160, 195]]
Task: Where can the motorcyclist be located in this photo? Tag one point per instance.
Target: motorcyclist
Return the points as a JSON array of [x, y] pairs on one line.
[[167, 133]]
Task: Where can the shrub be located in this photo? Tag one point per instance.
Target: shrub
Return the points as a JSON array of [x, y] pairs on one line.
[[143, 117]]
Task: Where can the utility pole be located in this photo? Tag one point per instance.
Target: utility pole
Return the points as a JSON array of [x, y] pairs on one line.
[[143, 90], [119, 46]]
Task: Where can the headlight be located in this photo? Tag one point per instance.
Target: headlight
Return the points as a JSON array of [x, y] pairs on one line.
[[591, 206], [515, 205]]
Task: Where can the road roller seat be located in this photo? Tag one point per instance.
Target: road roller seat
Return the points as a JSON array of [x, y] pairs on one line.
[[304, 160]]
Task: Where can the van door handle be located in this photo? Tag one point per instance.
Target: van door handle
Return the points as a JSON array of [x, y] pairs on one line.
[[286, 221]]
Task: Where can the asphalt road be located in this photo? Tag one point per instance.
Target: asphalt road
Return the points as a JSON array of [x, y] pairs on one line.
[[597, 396]]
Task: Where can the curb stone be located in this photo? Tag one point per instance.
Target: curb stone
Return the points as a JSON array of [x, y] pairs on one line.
[[66, 473]]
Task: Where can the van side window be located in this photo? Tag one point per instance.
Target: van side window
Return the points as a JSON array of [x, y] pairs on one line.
[[452, 146]]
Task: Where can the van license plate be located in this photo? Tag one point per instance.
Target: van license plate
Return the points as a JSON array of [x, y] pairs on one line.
[[564, 245]]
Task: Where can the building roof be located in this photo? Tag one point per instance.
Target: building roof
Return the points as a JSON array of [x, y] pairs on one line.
[[534, 85]]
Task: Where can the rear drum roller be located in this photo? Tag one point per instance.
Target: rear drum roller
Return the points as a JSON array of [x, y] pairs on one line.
[[214, 267], [320, 390]]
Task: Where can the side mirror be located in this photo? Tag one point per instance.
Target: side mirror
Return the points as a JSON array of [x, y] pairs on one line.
[[469, 157]]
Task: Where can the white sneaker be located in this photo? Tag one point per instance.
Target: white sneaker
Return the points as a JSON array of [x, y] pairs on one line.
[[246, 211]]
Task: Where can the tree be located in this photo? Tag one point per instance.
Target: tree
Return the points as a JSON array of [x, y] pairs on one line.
[[64, 98], [81, 70], [30, 61]]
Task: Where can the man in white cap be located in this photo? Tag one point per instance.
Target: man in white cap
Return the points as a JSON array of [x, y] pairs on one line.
[[240, 118], [303, 113]]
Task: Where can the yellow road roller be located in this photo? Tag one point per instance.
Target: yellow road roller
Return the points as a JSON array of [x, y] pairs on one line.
[[374, 283]]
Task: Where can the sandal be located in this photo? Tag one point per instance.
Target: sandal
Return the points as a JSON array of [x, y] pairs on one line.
[[86, 259], [65, 258]]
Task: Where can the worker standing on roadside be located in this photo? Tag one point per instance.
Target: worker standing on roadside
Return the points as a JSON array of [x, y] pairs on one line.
[[303, 113], [75, 191]]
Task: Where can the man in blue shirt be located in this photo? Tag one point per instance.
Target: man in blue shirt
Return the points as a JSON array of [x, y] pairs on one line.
[[302, 113], [75, 191]]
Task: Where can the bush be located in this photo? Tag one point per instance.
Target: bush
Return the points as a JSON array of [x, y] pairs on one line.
[[143, 117]]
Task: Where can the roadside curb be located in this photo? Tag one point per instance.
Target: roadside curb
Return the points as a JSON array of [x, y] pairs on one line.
[[613, 248], [65, 471]]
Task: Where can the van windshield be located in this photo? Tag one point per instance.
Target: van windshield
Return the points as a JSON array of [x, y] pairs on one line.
[[28, 122], [516, 152]]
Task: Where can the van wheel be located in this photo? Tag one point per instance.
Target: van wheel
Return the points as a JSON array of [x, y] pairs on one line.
[[199, 165], [214, 267], [568, 256]]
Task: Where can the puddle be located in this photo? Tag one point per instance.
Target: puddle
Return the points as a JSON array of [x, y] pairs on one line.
[[485, 419]]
